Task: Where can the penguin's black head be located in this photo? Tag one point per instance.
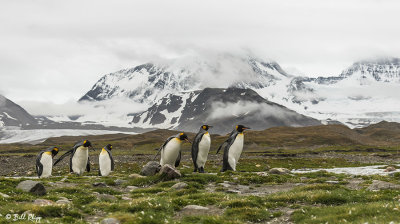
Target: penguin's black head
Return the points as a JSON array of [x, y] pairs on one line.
[[86, 143], [206, 127], [240, 128], [183, 137], [109, 147], [54, 151]]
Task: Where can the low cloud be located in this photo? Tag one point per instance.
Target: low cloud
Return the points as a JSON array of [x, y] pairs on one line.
[[222, 110], [109, 112]]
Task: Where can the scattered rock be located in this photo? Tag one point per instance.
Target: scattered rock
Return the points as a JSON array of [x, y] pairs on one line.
[[34, 187], [99, 184], [279, 171], [131, 188], [135, 175], [168, 172], [381, 185], [263, 174], [231, 191], [179, 185], [225, 184], [194, 207], [107, 197], [63, 202], [29, 173], [63, 179], [110, 221], [150, 169], [119, 181], [4, 195], [126, 198], [332, 182], [355, 184], [390, 169], [43, 202]]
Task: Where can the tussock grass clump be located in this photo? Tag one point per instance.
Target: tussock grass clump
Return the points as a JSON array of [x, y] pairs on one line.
[[373, 212], [248, 214]]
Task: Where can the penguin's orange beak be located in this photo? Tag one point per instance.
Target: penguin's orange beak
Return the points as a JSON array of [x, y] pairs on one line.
[[246, 128]]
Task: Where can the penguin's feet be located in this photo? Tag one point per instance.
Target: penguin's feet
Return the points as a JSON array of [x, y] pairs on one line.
[[201, 170], [195, 170]]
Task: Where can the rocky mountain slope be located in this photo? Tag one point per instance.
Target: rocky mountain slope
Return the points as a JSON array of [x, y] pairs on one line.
[[12, 114], [222, 108], [362, 94], [150, 82]]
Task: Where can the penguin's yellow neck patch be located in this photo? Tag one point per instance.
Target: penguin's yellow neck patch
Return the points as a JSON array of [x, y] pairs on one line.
[[48, 153], [178, 139], [241, 133], [103, 151], [207, 133]]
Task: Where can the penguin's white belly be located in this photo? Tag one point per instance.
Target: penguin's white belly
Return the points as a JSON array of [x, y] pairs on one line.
[[47, 162], [235, 151], [204, 148], [79, 160], [170, 152], [104, 163]]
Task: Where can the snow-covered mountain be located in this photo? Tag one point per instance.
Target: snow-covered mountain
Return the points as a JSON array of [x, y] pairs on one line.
[[150, 82], [362, 94], [11, 114], [365, 93], [222, 108]]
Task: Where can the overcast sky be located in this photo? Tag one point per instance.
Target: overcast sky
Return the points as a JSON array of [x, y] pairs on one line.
[[54, 51]]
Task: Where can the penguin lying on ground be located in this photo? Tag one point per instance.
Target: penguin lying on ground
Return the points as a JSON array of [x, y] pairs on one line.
[[79, 160], [44, 162], [171, 149], [200, 148], [233, 148], [106, 161]]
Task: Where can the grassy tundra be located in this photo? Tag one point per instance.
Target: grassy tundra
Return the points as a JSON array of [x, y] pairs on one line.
[[250, 195]]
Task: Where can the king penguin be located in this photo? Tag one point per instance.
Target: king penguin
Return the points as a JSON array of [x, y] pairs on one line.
[[200, 148], [233, 148], [79, 161], [106, 161], [44, 162], [171, 149]]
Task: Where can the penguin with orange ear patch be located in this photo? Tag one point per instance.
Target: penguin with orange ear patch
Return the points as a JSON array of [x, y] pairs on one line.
[[44, 162], [233, 148], [171, 149], [200, 148], [106, 161]]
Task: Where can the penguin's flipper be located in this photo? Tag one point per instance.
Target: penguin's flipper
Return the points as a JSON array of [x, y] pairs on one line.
[[111, 158], [165, 143], [222, 145], [195, 149], [63, 156], [178, 160], [230, 141], [39, 165], [88, 165]]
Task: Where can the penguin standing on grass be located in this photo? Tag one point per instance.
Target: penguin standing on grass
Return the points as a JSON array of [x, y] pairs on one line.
[[200, 148], [79, 161], [233, 148], [44, 162], [171, 149], [106, 161]]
